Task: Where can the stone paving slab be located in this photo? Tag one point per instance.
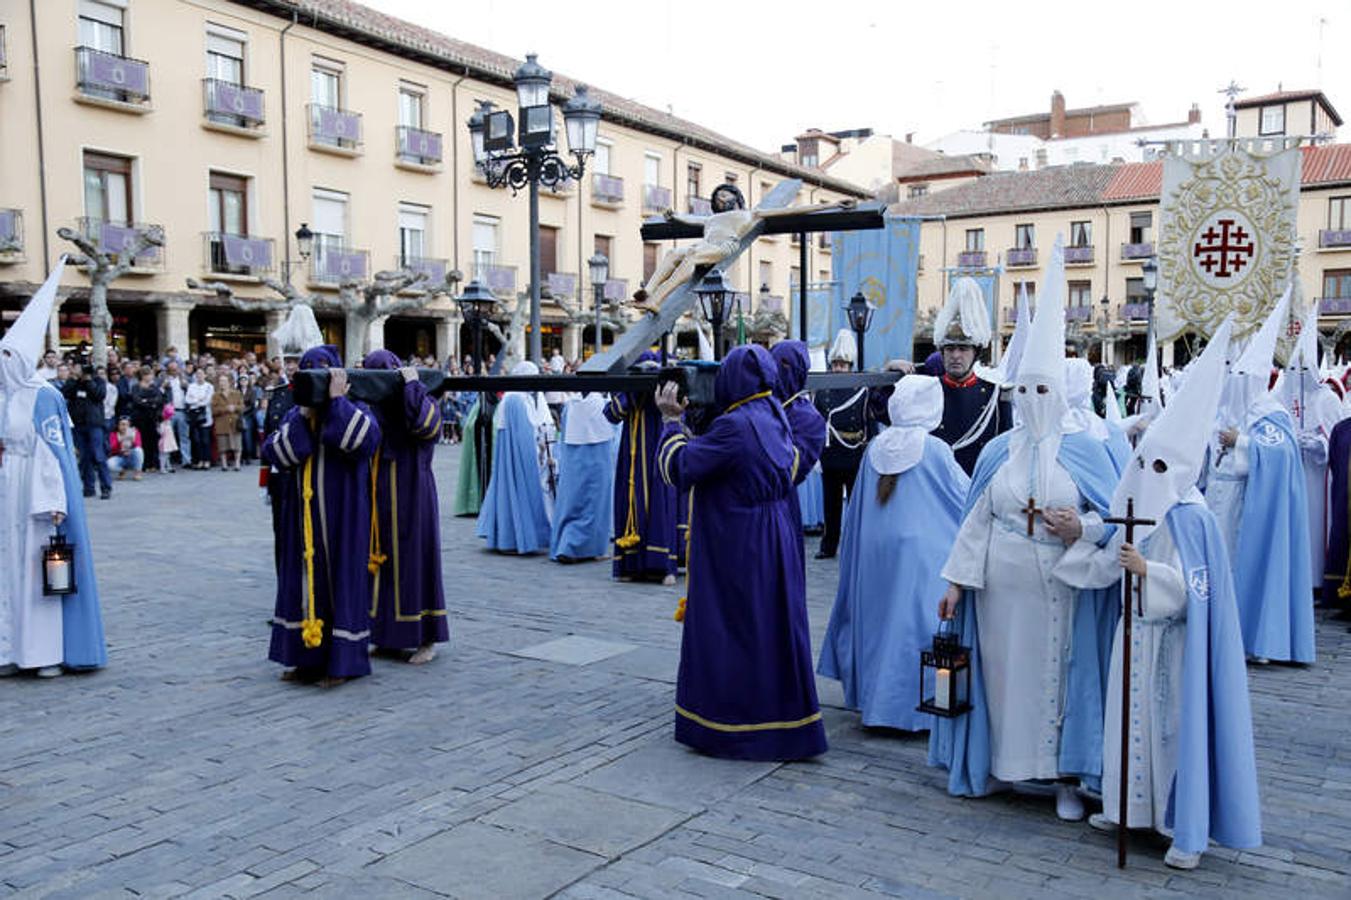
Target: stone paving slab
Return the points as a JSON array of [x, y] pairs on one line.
[[188, 769]]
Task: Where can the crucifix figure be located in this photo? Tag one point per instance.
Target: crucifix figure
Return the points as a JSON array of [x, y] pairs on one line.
[[1129, 520], [1031, 510], [723, 231]]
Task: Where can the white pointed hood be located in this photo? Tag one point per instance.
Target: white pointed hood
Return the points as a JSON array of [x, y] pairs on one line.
[[1151, 396], [845, 347], [1167, 460], [1311, 403], [1079, 397], [299, 332], [1039, 390], [1246, 395], [1007, 370], [27, 337], [963, 318]]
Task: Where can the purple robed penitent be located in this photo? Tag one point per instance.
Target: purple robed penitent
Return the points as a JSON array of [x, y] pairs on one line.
[[645, 505], [408, 605], [745, 688], [337, 450]]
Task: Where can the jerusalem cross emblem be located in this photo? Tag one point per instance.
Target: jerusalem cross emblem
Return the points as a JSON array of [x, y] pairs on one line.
[[1224, 248]]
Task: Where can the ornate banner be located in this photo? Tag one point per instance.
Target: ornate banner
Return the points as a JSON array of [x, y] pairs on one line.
[[1227, 237], [883, 266]]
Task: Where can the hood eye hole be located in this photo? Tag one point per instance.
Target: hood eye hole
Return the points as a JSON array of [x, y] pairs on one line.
[[1022, 389], [1043, 389], [1160, 466]]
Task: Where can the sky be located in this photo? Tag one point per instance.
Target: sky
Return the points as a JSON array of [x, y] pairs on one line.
[[761, 72]]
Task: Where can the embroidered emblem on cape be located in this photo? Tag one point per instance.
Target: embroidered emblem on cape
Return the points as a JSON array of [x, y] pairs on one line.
[[1198, 582], [51, 431], [1270, 435]]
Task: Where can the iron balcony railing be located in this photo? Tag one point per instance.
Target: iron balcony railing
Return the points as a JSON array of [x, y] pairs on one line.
[[112, 77], [334, 127], [1142, 250], [1334, 306], [11, 235], [1334, 237], [700, 206], [337, 264], [416, 146], [971, 259], [607, 188], [238, 254], [119, 238], [656, 198], [1022, 256], [1078, 313], [1078, 255], [227, 103], [616, 289], [435, 269]]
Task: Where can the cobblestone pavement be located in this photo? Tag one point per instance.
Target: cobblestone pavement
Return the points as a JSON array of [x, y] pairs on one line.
[[534, 757]]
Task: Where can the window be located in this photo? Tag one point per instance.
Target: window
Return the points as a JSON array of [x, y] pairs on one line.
[[975, 239], [326, 84], [1339, 213], [412, 99], [794, 276], [1337, 284], [224, 65], [1140, 225], [1030, 287], [650, 254], [227, 213], [605, 247], [692, 173], [1024, 237], [652, 169], [1081, 293], [485, 244], [823, 275], [918, 190], [101, 27], [414, 238], [601, 163], [1135, 291], [1081, 234], [329, 224], [107, 188], [548, 250], [1273, 120], [809, 152], [766, 275], [1041, 157]]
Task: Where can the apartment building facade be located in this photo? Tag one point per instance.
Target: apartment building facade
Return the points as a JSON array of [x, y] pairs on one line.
[[229, 123]]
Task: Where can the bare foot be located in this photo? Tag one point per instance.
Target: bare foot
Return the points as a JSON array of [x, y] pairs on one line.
[[290, 675], [424, 654], [330, 681], [668, 580]]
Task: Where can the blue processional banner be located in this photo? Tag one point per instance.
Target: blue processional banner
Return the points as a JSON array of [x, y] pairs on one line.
[[882, 264]]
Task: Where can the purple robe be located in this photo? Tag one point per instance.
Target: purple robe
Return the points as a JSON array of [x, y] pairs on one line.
[[339, 456], [645, 505], [805, 420], [745, 687], [408, 606], [1335, 571]]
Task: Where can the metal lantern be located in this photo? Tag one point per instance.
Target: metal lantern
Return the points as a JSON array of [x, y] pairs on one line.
[[477, 125], [304, 240], [581, 117], [1149, 272], [532, 96], [600, 269], [712, 292], [58, 567], [945, 675], [860, 313]]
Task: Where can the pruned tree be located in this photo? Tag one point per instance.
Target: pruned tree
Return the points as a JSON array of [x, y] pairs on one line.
[[611, 316], [365, 303], [511, 335], [103, 268]]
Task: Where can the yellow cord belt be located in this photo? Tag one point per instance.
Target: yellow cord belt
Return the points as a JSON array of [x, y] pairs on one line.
[[312, 628], [375, 559], [1344, 589], [630, 536]]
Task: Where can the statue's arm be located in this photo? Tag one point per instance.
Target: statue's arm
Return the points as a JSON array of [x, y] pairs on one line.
[[847, 203]]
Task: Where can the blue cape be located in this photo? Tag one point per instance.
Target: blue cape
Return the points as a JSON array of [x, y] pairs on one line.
[[1215, 789], [582, 510], [1275, 604], [81, 620], [962, 745], [1118, 446], [513, 516]]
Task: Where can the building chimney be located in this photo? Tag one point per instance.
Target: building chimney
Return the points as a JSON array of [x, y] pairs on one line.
[[1194, 115], [1057, 114], [909, 137]]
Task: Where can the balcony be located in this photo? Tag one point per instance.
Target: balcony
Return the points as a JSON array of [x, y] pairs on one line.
[[417, 149], [1332, 238], [606, 190], [334, 266], [238, 255], [434, 269], [1078, 314], [11, 237], [616, 290], [1022, 256], [501, 280], [561, 284], [106, 79], [1140, 251], [1135, 312], [1334, 306], [334, 130], [117, 238], [700, 206], [656, 198], [1079, 256], [232, 107], [971, 259]]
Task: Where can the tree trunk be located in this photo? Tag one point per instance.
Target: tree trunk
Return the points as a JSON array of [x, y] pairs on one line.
[[356, 337], [100, 321]]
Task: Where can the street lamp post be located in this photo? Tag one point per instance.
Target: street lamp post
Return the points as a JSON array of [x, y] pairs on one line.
[[860, 313], [305, 246], [536, 161], [712, 292], [600, 273], [1106, 323], [1149, 274]]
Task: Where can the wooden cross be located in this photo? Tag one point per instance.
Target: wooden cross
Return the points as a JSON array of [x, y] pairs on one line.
[[1032, 511], [1129, 521]]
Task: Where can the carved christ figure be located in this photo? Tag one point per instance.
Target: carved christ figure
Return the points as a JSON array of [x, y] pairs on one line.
[[723, 232]]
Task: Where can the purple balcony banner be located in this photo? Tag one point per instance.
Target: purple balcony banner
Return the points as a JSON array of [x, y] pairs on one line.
[[235, 100], [246, 252], [617, 289], [339, 266], [974, 259], [1078, 313], [1332, 306], [608, 187], [561, 284], [435, 270], [8, 226], [103, 70], [501, 280], [1026, 256], [700, 206], [1078, 254], [1135, 310], [422, 144], [656, 197], [1334, 238], [1137, 251], [120, 239], [336, 125]]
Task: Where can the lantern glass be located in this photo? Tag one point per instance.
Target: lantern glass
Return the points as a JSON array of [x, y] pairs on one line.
[[945, 675], [860, 312], [712, 292], [304, 240], [600, 268], [58, 567], [476, 301], [1150, 274], [498, 127], [581, 116], [537, 126], [532, 83]]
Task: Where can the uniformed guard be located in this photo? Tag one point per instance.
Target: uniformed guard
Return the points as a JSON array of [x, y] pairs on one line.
[[973, 411], [848, 427]]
